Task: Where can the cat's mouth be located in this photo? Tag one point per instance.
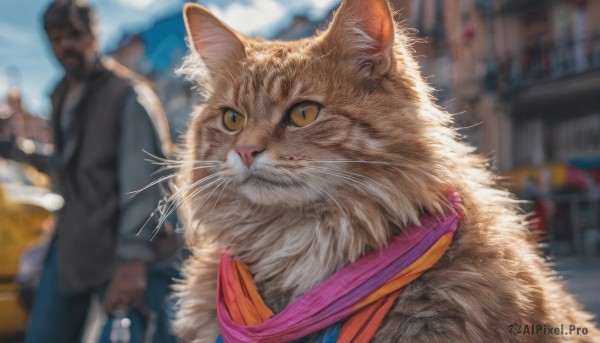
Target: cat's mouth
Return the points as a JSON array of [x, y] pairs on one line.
[[272, 189], [260, 180]]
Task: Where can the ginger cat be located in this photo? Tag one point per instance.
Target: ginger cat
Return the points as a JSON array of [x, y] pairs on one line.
[[309, 154]]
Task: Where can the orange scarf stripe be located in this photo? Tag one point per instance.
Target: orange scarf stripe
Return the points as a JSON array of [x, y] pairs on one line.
[[363, 325], [372, 312], [244, 302], [422, 264]]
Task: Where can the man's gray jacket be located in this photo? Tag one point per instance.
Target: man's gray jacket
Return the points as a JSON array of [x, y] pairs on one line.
[[99, 159]]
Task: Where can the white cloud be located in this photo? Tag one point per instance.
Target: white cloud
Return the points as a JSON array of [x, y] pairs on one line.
[[12, 36], [137, 4], [265, 18], [255, 18]]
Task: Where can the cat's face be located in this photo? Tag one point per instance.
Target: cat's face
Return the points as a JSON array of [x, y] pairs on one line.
[[297, 122]]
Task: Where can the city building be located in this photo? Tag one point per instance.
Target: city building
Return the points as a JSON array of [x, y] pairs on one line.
[[23, 136], [523, 78]]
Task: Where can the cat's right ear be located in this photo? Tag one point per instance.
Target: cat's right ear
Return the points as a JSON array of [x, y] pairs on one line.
[[363, 33], [218, 45]]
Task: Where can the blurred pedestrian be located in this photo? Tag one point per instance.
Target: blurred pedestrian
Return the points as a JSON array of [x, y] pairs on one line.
[[105, 120]]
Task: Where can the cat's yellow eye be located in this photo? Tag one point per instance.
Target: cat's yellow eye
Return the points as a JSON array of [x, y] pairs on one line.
[[303, 114], [233, 121]]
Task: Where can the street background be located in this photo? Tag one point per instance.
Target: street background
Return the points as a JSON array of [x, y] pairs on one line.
[[522, 77]]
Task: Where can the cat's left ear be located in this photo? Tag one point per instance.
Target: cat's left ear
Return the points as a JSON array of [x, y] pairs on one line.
[[219, 46], [363, 31]]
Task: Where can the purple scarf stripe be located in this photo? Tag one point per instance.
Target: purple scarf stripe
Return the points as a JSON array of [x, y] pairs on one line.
[[389, 271]]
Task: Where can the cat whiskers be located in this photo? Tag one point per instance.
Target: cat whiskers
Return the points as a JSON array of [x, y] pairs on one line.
[[323, 192], [168, 177], [361, 161], [219, 197], [338, 173], [166, 206], [316, 59], [168, 164], [225, 183], [198, 192], [161, 161], [300, 182], [391, 165]]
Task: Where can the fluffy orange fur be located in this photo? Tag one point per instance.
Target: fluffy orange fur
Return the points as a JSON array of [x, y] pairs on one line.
[[315, 198]]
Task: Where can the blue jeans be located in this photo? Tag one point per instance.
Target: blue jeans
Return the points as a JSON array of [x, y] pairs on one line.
[[59, 318]]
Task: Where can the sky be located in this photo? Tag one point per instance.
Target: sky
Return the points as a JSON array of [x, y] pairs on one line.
[[26, 61]]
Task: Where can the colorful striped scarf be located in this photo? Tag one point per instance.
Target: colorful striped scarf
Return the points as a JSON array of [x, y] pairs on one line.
[[361, 293]]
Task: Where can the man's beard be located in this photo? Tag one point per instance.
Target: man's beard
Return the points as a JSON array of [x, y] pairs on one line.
[[77, 70]]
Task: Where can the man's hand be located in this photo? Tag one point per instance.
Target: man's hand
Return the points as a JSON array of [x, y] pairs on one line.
[[127, 286]]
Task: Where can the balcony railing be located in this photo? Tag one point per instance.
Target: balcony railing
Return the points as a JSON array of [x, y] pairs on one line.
[[543, 61]]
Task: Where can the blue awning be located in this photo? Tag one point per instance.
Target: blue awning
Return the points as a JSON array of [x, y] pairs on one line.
[[164, 42]]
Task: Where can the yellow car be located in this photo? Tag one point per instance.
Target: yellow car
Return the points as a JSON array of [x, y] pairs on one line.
[[26, 207]]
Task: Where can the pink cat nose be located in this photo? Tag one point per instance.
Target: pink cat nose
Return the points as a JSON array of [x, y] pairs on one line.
[[248, 153]]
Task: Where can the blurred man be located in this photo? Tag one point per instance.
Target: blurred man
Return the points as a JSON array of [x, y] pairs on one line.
[[104, 118]]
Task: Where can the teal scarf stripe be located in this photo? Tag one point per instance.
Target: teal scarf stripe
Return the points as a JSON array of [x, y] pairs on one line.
[[331, 334]]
